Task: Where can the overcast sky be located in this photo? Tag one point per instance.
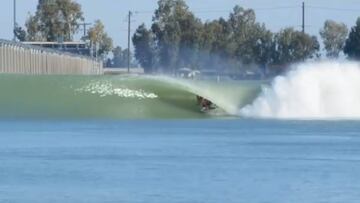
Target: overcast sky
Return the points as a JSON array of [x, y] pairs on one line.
[[276, 14]]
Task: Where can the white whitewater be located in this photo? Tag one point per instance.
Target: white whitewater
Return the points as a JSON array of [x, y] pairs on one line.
[[106, 88], [322, 90]]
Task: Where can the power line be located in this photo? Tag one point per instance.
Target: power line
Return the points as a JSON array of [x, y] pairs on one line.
[[144, 12], [255, 8], [333, 9], [195, 11], [260, 9], [277, 8]]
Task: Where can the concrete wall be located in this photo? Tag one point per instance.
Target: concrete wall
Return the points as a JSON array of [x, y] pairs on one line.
[[24, 59]]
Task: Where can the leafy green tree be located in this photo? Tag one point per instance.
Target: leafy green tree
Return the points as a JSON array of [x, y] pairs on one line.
[[99, 39], [249, 41], [169, 23], [242, 23], [20, 33], [214, 44], [33, 29], [334, 36], [120, 57], [294, 46], [352, 45], [209, 36], [179, 39], [190, 39], [144, 48], [264, 46], [54, 20]]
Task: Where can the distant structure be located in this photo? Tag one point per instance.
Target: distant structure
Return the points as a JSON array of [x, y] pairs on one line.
[[32, 59], [80, 48], [123, 71]]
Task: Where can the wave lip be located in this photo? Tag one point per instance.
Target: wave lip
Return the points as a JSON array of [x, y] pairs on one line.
[[321, 90]]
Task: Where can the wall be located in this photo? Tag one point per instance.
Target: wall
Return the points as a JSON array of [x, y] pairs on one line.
[[18, 58]]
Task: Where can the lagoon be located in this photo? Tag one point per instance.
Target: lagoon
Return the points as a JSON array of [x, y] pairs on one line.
[[207, 160]]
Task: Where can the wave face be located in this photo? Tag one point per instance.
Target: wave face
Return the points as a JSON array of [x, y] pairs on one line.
[[118, 97], [324, 90]]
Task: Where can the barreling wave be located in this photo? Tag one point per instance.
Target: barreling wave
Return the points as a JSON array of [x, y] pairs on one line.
[[118, 97], [322, 90]]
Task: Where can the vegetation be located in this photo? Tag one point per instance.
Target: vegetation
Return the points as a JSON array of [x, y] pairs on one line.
[[54, 20], [334, 36], [120, 58], [294, 46], [352, 45], [178, 39], [59, 20], [20, 33], [144, 48], [99, 39]]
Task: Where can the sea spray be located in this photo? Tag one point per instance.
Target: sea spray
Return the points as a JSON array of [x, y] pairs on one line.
[[322, 90]]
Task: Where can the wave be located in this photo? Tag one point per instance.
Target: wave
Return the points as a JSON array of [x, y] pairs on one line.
[[322, 90], [118, 97]]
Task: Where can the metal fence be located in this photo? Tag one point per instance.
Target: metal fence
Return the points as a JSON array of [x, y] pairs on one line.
[[25, 59]]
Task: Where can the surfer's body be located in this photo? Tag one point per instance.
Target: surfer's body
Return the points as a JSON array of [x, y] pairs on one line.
[[204, 103]]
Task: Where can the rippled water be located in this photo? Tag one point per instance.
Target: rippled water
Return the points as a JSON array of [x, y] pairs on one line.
[[159, 161]]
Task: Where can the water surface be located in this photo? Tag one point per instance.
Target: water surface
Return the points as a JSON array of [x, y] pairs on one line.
[[181, 161]]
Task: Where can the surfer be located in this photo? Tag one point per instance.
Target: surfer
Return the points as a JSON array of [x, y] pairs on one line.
[[205, 104]]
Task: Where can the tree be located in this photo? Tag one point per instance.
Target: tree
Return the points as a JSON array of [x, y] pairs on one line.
[[294, 46], [167, 29], [120, 57], [352, 45], [242, 23], [177, 38], [264, 46], [190, 39], [99, 39], [54, 20], [214, 45], [33, 29], [334, 36], [20, 33], [144, 48]]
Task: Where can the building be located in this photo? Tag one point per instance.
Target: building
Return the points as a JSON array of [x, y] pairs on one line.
[[81, 48]]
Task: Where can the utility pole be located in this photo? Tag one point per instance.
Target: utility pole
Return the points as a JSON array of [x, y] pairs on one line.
[[129, 27], [85, 26], [14, 21], [303, 17]]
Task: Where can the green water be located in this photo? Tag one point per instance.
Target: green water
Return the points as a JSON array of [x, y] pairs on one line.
[[119, 97]]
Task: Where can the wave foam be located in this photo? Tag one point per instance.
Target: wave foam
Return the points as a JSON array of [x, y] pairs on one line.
[[106, 89], [323, 90]]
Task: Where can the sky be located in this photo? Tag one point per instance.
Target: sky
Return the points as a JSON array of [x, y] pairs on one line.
[[276, 14]]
